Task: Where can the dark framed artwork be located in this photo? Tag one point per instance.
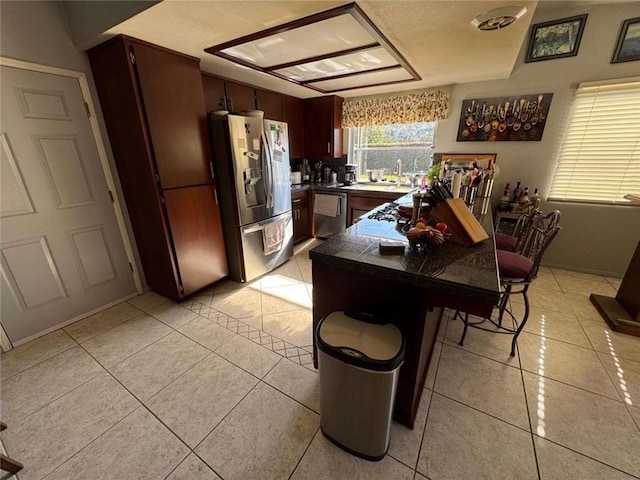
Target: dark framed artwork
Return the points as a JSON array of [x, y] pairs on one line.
[[628, 46], [504, 119], [555, 39]]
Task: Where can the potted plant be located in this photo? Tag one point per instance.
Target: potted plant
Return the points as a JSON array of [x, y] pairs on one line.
[[433, 174]]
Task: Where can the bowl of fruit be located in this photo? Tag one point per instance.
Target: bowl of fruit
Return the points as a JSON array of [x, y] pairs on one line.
[[426, 235]]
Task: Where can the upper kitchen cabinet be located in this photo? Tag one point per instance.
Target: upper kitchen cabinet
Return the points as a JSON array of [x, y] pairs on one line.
[[167, 90], [221, 94], [214, 96], [239, 97], [323, 127], [293, 114], [154, 109], [171, 90], [270, 103]]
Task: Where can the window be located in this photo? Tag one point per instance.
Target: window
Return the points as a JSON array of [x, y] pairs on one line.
[[380, 147], [599, 159]]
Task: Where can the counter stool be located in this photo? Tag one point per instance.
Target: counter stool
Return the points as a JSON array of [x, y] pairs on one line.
[[517, 272], [515, 241]]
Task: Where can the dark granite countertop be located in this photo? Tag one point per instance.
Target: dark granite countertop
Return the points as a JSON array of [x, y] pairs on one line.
[[374, 189], [450, 268], [316, 187]]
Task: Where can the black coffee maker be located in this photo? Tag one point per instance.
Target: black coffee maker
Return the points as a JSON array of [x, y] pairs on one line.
[[350, 174]]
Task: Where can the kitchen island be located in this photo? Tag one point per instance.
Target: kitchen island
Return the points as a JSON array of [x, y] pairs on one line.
[[412, 290]]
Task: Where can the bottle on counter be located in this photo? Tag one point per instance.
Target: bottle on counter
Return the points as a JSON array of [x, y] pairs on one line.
[[503, 203], [305, 170], [536, 200], [524, 196], [515, 196], [516, 193], [326, 175]]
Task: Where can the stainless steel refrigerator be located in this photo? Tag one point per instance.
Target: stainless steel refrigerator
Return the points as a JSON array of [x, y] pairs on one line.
[[251, 165]]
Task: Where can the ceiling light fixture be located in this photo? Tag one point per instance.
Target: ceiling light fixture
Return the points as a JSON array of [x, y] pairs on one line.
[[498, 18], [335, 50]]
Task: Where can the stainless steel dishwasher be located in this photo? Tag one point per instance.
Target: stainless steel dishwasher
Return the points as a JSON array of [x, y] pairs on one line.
[[329, 213]]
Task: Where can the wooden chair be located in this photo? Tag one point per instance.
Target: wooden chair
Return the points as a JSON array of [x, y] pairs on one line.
[[7, 464], [518, 271]]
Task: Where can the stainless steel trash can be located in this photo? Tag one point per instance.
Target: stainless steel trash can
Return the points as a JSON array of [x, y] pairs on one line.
[[358, 364]]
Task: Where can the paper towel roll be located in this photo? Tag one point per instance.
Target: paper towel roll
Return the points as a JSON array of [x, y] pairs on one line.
[[455, 185]]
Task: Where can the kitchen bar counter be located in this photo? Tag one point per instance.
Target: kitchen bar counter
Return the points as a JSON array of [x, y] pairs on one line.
[[372, 189], [411, 289]]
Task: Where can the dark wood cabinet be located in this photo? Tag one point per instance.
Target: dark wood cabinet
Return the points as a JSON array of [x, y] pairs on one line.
[[293, 114], [174, 113], [154, 109], [239, 97], [221, 94], [270, 103], [301, 215], [323, 127], [214, 95], [197, 238]]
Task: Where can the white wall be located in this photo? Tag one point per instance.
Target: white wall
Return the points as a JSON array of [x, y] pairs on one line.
[[595, 239], [88, 20], [38, 32]]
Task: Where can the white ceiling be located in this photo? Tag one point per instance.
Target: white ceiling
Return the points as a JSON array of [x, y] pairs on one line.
[[436, 37]]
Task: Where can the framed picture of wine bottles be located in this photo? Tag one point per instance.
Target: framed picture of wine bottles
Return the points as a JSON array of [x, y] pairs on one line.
[[504, 119]]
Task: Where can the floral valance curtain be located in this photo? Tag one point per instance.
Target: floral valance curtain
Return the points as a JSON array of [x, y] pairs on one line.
[[415, 107]]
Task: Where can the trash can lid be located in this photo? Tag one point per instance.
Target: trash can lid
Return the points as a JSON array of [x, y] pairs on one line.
[[374, 346]]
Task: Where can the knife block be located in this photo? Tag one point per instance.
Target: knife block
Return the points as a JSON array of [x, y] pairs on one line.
[[464, 227]]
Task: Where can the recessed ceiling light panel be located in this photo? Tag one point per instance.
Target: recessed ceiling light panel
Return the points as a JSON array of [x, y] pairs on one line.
[[334, 44], [498, 18]]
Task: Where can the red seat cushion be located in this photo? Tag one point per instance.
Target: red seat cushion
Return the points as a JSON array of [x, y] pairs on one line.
[[512, 265], [505, 242]]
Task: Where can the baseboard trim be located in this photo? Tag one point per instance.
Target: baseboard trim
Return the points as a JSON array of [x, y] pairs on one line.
[[592, 271], [74, 319]]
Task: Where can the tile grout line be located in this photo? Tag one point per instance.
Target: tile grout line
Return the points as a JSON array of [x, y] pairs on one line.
[[424, 429], [43, 360], [92, 441], [223, 419], [143, 405], [526, 406], [455, 345], [584, 455], [285, 393], [108, 429], [431, 390], [316, 433]]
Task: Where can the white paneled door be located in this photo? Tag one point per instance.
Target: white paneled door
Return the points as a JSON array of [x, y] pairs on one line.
[[62, 253]]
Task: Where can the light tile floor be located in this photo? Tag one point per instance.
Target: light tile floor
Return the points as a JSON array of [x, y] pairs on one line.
[[223, 386]]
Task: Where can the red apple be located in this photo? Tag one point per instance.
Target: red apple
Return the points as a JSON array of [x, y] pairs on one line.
[[442, 227]]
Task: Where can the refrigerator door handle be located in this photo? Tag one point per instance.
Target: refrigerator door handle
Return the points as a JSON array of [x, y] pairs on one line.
[[268, 172], [254, 229]]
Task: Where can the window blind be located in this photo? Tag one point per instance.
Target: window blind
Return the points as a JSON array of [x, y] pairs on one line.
[[599, 159]]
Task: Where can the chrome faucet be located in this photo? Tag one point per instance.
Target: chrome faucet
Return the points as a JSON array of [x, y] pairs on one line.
[[399, 180]]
